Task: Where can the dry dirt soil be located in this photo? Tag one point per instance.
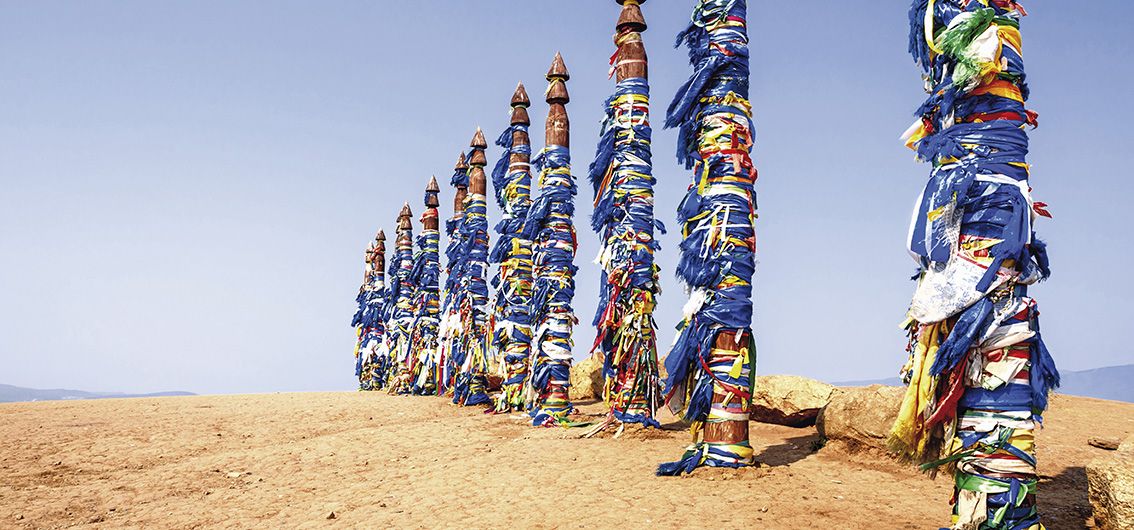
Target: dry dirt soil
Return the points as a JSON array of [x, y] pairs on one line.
[[375, 461]]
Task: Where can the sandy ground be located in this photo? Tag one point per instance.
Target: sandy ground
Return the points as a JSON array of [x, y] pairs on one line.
[[290, 460]]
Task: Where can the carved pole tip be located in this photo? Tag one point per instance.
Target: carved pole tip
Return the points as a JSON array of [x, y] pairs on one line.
[[520, 97], [478, 141], [520, 104], [558, 69], [478, 145]]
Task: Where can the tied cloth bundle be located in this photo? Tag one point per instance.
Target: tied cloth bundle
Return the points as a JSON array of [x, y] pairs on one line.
[[370, 355], [978, 373], [551, 229], [711, 367], [475, 363], [399, 306], [449, 337], [425, 277], [511, 322], [624, 219]]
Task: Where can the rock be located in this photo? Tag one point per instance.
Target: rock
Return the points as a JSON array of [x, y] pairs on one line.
[[332, 515], [1109, 445], [234, 474], [789, 400], [1110, 480], [586, 379], [861, 417]]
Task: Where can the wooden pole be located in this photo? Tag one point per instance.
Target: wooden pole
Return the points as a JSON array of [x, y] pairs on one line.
[[555, 245], [511, 323], [401, 316]]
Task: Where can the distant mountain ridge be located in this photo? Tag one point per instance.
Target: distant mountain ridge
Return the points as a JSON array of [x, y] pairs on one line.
[[1113, 382], [9, 394]]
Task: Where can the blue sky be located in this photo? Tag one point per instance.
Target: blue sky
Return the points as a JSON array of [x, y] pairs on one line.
[[186, 188]]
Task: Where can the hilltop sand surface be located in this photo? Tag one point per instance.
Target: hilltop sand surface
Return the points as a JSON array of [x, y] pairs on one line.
[[290, 460]]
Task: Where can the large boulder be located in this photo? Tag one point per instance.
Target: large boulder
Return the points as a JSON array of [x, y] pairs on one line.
[[1110, 480], [586, 378], [789, 400], [861, 417]]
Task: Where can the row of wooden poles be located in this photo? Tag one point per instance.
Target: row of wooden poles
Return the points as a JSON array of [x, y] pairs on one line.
[[632, 63], [715, 351]]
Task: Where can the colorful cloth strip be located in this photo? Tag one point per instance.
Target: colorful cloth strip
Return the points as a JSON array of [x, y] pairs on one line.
[[371, 362], [425, 277], [449, 332], [549, 226], [713, 116], [511, 323], [624, 219], [979, 373], [471, 356], [400, 316]]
